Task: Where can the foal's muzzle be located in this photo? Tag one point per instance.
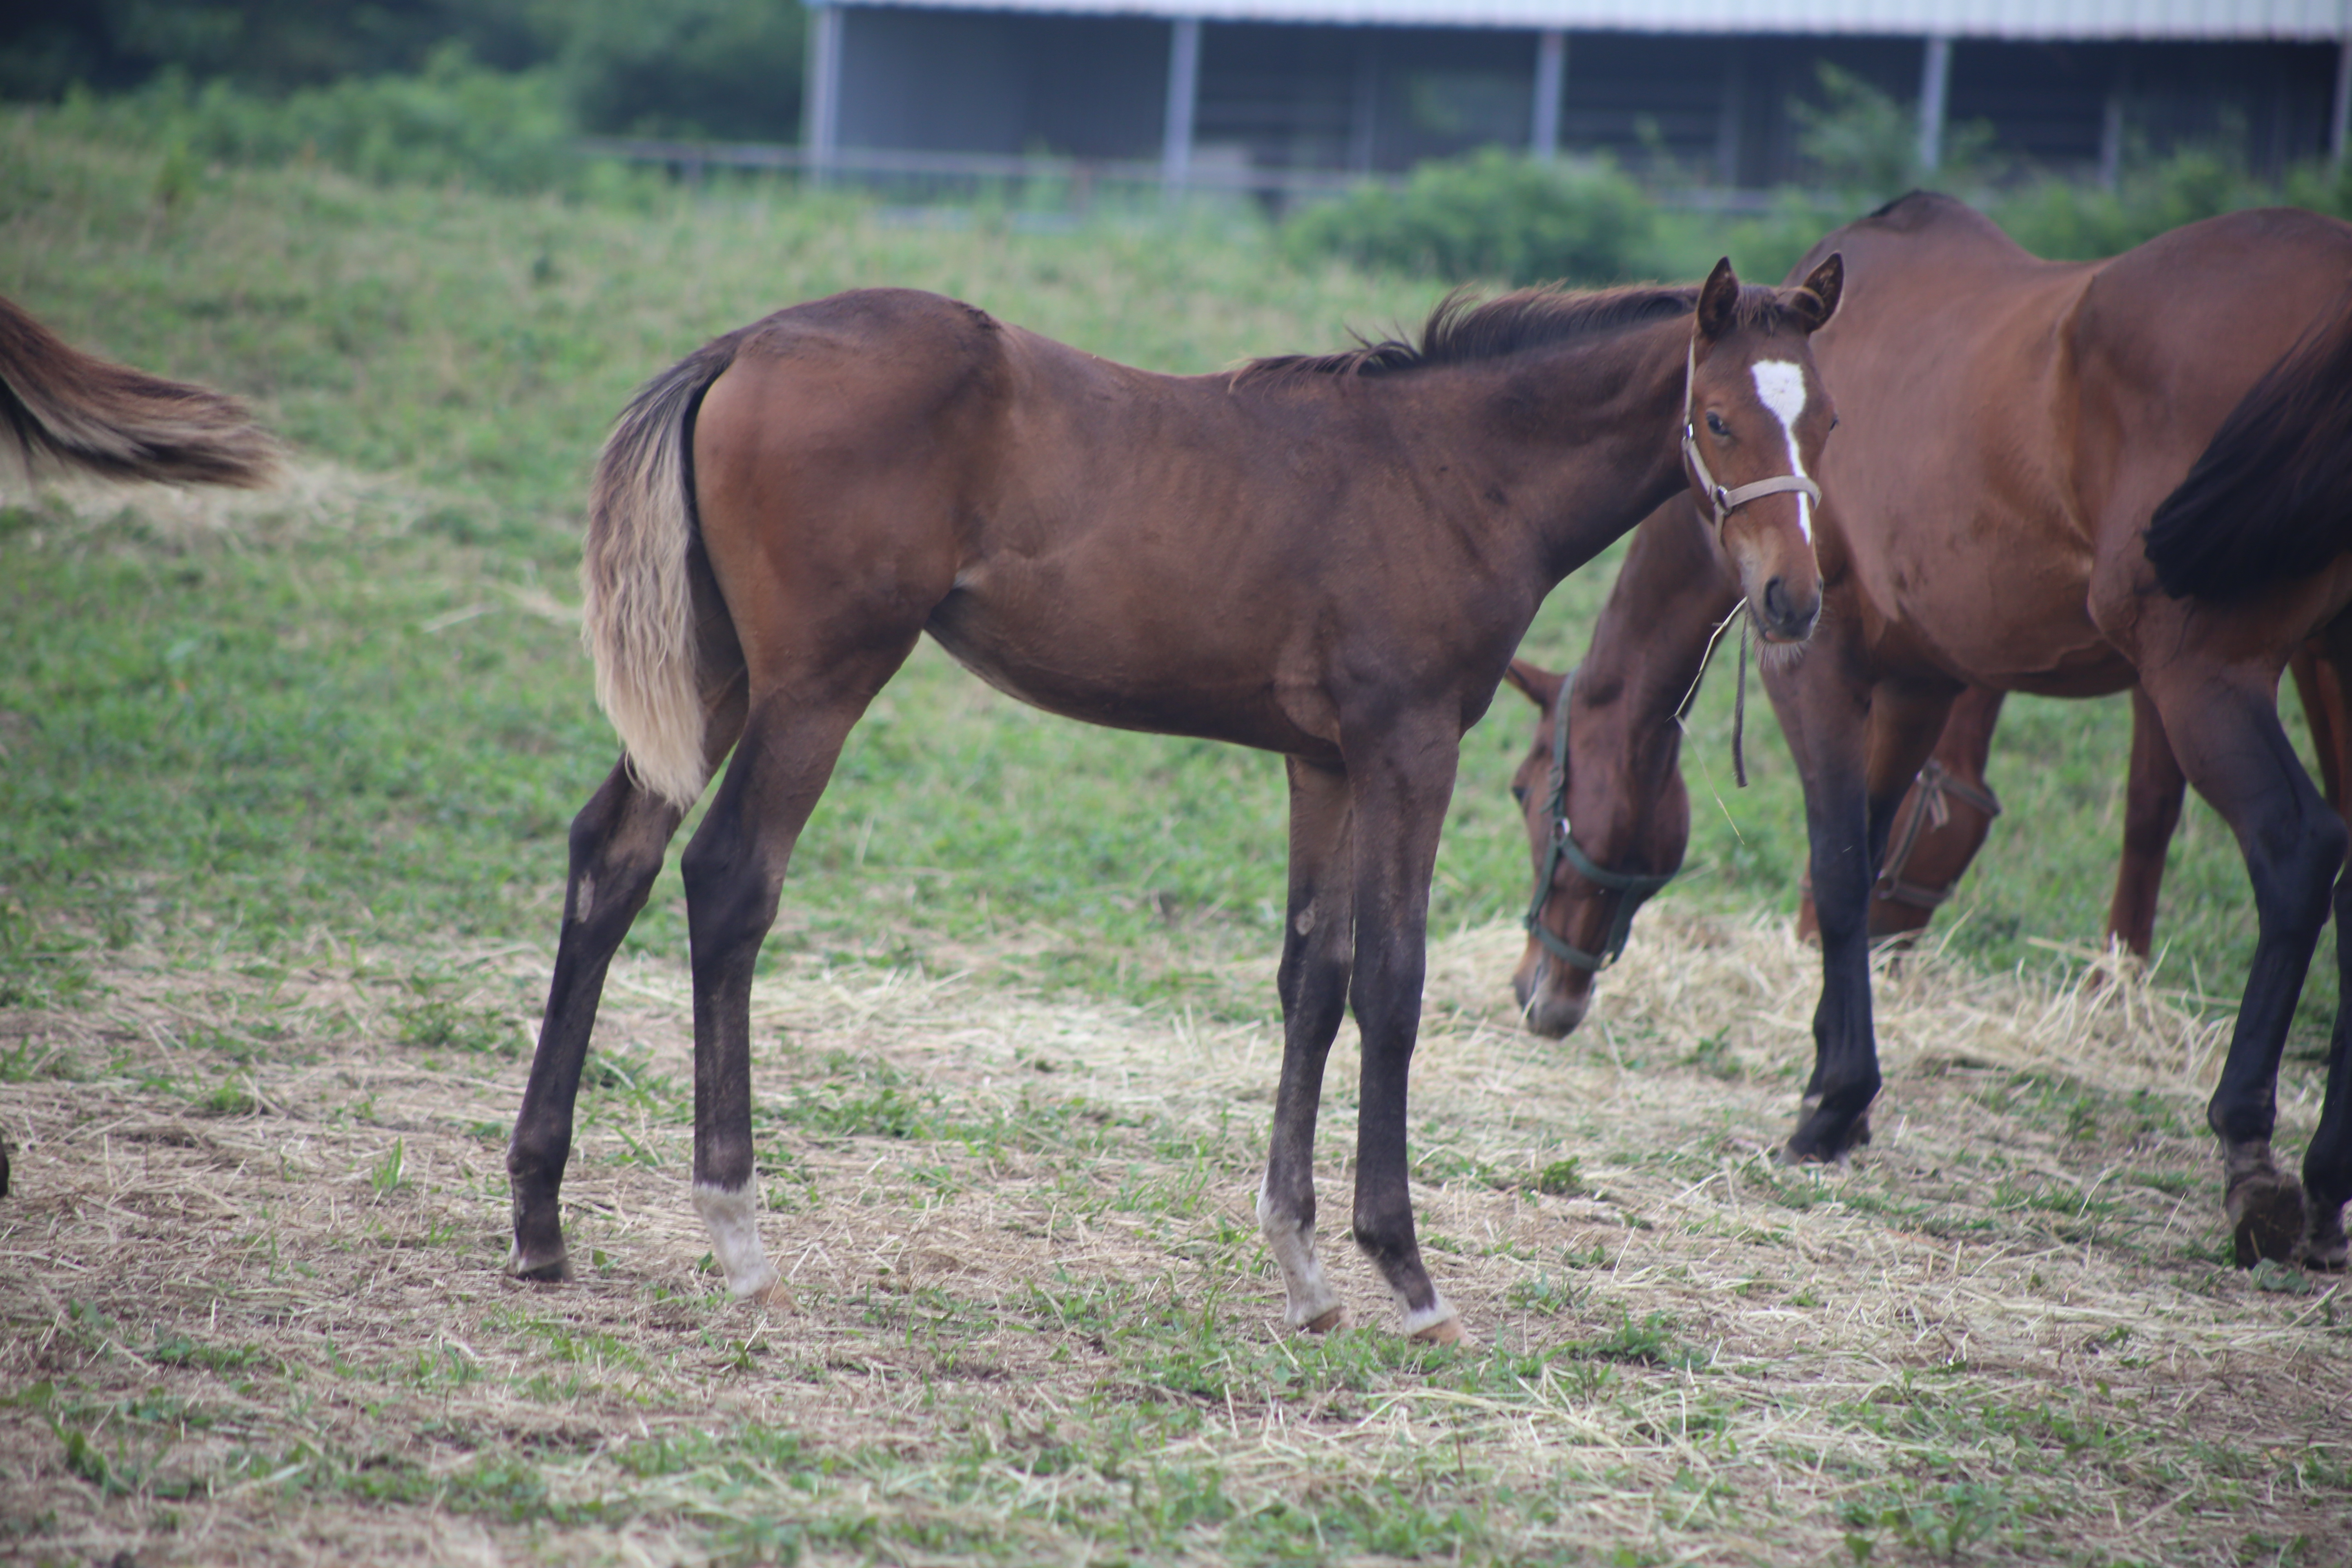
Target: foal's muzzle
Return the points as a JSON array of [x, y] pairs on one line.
[[1785, 618]]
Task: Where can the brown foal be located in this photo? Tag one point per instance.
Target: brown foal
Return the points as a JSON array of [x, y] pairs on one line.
[[1331, 558]]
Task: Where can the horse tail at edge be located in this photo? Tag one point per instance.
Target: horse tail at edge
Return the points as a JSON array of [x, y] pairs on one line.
[[88, 413], [636, 573], [2271, 496]]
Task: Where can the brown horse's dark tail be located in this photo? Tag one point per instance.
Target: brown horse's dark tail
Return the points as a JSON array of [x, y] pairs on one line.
[[2271, 498], [637, 577], [75, 409]]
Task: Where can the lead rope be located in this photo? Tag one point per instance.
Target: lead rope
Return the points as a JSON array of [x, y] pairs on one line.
[[1739, 710]]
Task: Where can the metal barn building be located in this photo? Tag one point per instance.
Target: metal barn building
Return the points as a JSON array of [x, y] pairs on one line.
[[1214, 91]]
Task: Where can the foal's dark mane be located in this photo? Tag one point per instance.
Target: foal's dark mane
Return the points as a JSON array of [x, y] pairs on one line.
[[1462, 329]]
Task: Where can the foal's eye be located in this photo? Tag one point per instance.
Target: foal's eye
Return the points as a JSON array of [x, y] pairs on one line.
[[1715, 423], [1519, 793]]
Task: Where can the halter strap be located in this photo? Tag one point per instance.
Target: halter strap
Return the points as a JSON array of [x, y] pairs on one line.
[[1727, 502], [1633, 888], [1928, 808]]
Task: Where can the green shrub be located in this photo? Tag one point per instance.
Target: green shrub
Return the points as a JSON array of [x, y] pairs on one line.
[[1492, 215], [2068, 221], [456, 121], [1865, 143]]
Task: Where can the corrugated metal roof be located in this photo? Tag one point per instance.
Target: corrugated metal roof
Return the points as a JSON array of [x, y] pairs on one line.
[[2216, 19]]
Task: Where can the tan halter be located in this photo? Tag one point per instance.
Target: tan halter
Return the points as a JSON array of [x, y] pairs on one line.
[[1727, 502]]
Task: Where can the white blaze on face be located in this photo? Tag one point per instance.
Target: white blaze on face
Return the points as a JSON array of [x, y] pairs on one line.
[[1781, 388]]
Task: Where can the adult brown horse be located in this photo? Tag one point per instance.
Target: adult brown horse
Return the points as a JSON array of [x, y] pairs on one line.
[[67, 409], [2016, 422], [1331, 558]]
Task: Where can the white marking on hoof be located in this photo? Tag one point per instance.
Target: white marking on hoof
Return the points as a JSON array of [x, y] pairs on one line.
[[1781, 386], [1436, 1324], [1311, 1298], [546, 1270], [733, 1220]]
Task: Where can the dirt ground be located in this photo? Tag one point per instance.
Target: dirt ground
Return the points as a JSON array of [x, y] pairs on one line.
[[252, 1310]]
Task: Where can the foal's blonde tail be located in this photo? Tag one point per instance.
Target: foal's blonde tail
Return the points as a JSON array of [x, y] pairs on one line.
[[83, 412], [636, 577]]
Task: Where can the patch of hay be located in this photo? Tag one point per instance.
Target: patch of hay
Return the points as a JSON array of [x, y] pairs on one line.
[[252, 1270]]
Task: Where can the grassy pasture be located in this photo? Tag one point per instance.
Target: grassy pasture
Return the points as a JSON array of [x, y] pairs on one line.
[[283, 786]]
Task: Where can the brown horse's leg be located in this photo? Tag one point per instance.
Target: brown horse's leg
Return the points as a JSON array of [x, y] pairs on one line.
[[1854, 778], [1317, 949], [2152, 796], [1400, 795], [2225, 730], [2322, 667], [734, 870], [617, 842]]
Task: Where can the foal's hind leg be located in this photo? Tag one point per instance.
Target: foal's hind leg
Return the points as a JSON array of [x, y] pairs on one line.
[[617, 842], [734, 870], [1318, 945]]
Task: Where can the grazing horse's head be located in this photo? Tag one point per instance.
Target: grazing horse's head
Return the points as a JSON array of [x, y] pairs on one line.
[[1755, 418], [1636, 827]]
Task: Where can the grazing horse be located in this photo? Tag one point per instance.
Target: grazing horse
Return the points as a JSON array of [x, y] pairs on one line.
[[2016, 424], [63, 408], [1938, 828], [1330, 558]]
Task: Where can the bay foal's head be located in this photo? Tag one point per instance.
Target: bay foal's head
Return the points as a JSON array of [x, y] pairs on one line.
[[1753, 425], [1605, 839]]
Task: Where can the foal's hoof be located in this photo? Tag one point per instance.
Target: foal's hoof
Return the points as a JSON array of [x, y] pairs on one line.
[[776, 1296], [2266, 1212], [553, 1270], [1445, 1331], [1818, 1140], [1326, 1323]]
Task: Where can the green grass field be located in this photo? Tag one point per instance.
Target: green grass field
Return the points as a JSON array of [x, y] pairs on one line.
[[284, 783], [259, 735]]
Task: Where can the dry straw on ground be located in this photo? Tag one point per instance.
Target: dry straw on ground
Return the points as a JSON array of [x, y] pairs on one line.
[[253, 1311]]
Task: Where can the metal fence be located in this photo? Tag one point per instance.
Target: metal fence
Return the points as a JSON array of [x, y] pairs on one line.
[[1073, 183]]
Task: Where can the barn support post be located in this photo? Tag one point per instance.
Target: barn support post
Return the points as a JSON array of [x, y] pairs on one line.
[[1934, 88], [1552, 78], [1364, 105], [1183, 93], [2339, 127], [1729, 117], [821, 92]]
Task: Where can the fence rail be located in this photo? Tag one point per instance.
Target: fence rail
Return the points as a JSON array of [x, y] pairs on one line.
[[1081, 176]]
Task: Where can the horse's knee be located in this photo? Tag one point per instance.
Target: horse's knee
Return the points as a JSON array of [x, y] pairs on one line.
[[2295, 869]]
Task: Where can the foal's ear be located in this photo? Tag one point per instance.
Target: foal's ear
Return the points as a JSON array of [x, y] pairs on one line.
[[1540, 686], [1719, 298], [1815, 300]]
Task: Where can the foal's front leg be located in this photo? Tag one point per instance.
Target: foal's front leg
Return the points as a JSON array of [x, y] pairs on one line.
[[1824, 706], [1400, 795], [1317, 942]]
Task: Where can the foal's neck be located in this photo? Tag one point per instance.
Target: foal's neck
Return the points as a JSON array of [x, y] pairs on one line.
[[1601, 422]]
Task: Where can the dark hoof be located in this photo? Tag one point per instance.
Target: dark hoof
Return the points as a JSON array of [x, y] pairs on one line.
[[553, 1272], [2324, 1248], [2265, 1218], [1823, 1137]]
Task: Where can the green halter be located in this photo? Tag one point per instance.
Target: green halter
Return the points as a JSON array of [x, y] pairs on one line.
[[1636, 889]]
